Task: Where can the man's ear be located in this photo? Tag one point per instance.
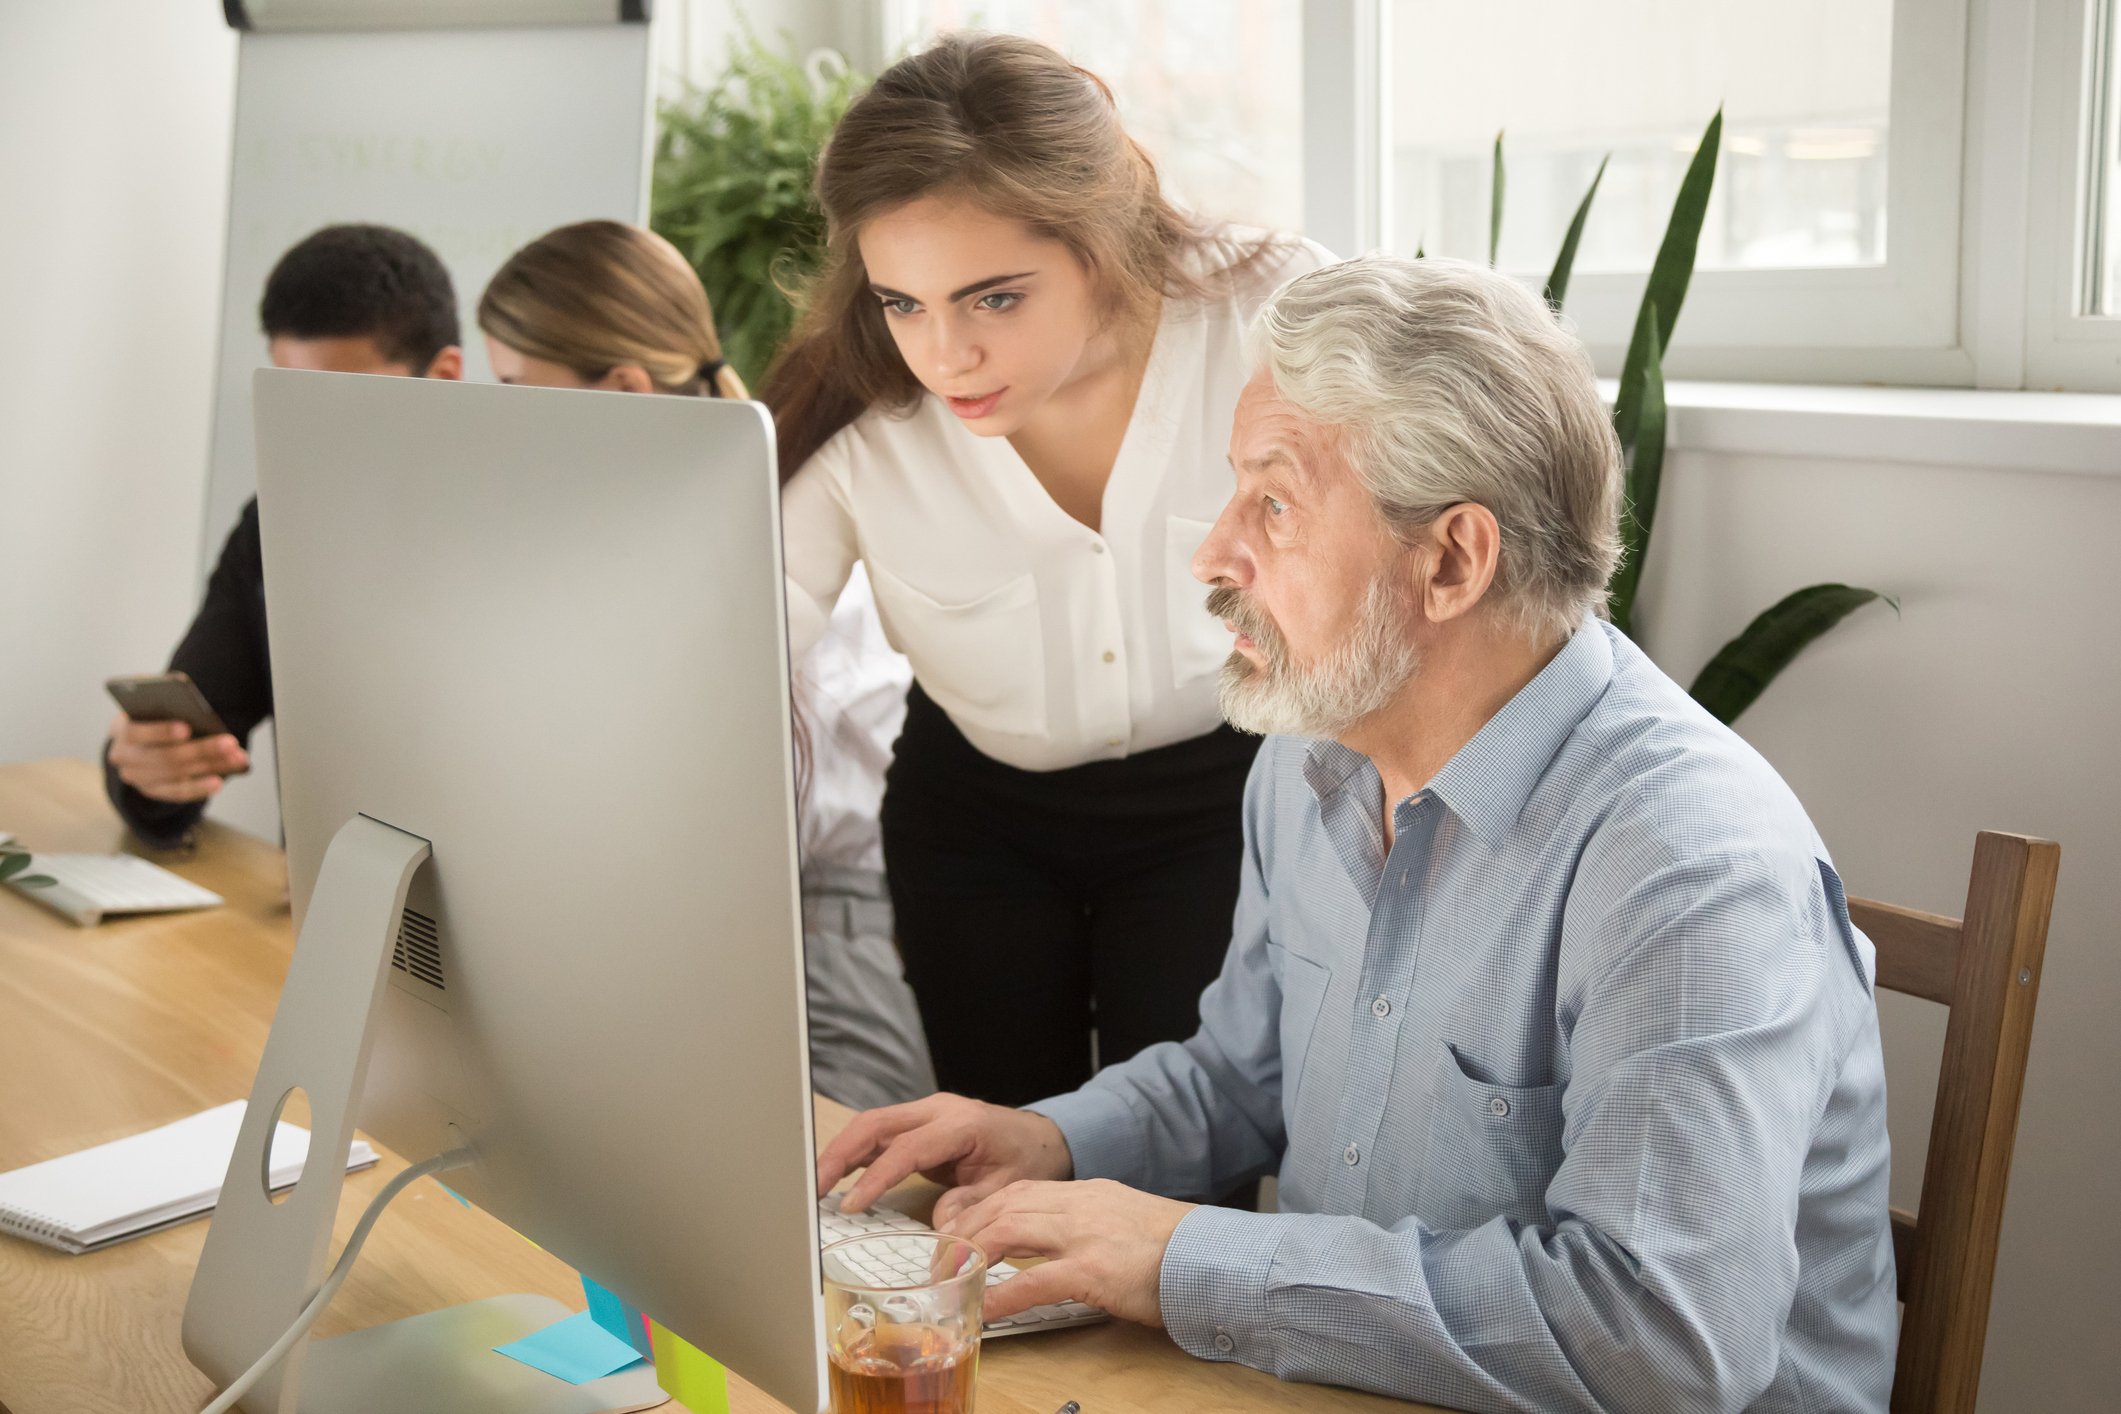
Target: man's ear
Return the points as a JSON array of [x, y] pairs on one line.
[[1464, 547], [448, 364]]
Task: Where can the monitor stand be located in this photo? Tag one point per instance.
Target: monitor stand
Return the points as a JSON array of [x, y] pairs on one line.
[[263, 1260]]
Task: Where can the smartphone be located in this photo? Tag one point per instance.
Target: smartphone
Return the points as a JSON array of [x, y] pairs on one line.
[[168, 697]]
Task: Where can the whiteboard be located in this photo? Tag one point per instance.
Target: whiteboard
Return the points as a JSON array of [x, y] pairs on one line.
[[475, 140]]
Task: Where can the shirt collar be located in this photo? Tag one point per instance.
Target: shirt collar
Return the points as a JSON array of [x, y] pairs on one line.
[[1488, 781]]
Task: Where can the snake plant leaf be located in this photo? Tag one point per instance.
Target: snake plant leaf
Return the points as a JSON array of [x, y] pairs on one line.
[[12, 862], [1743, 668], [1558, 282], [35, 881], [1495, 204], [1645, 473], [1670, 274]]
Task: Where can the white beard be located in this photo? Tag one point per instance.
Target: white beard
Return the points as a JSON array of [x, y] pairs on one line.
[[1358, 678]]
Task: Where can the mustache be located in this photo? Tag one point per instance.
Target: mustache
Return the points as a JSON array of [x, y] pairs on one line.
[[1228, 602]]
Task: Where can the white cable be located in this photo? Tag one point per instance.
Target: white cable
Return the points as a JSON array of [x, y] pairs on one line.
[[455, 1158]]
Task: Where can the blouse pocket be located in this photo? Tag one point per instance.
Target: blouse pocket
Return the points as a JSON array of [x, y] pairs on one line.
[[1492, 1149], [1199, 644], [983, 661]]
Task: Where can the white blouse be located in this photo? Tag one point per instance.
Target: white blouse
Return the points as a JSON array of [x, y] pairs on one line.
[[1048, 643]]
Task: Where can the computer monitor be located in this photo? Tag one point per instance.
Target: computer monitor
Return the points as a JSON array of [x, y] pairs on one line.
[[543, 633]]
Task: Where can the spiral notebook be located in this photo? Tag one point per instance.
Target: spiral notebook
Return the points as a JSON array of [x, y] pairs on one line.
[[80, 1202]]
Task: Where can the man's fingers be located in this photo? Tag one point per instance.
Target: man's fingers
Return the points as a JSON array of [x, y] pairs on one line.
[[957, 1200], [862, 1140], [151, 733], [182, 792], [930, 1146], [1022, 1235], [1023, 1195], [1034, 1286]]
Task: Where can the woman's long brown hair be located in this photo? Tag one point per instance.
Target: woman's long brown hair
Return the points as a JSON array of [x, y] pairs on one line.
[[597, 294], [1012, 126]]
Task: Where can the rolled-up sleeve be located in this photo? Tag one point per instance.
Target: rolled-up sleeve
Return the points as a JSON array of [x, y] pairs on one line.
[[1704, 1041]]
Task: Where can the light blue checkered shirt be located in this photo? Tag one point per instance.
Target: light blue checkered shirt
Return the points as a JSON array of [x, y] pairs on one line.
[[1576, 1094]]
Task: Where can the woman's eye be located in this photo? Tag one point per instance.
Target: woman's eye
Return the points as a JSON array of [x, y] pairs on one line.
[[900, 307], [1000, 301]]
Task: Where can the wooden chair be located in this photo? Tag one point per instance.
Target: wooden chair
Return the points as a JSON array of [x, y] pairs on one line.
[[1986, 968]]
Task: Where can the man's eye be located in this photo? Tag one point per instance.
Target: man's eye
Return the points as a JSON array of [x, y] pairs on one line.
[[1008, 300], [1275, 508]]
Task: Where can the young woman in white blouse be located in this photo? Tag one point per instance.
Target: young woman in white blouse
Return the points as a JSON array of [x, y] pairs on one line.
[[1009, 397]]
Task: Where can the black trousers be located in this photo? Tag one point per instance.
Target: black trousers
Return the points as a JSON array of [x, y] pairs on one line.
[[1035, 908]]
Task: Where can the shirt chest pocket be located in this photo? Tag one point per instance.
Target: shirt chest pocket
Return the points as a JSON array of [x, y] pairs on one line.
[[1492, 1149], [1303, 994], [1199, 643], [983, 660]]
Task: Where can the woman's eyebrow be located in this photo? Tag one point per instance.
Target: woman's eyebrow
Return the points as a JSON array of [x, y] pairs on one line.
[[886, 292]]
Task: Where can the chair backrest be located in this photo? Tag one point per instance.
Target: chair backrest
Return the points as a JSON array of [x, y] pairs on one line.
[[1986, 968]]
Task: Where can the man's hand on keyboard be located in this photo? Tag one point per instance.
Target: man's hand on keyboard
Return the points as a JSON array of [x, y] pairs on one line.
[[1104, 1244], [971, 1148]]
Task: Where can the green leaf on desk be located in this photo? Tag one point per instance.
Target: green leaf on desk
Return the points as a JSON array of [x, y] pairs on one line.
[[13, 862]]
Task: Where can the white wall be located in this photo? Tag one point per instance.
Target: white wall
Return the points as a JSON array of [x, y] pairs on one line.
[[114, 123], [1990, 703]]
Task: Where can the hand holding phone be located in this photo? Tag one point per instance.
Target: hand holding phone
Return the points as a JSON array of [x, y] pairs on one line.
[[167, 742]]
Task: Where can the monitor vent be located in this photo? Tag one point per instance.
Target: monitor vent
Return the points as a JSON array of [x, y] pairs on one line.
[[419, 950]]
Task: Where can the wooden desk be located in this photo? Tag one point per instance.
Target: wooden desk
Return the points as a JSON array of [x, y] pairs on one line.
[[111, 1030]]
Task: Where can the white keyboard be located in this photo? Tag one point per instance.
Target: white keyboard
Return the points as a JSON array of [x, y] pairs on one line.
[[832, 1225], [88, 886]]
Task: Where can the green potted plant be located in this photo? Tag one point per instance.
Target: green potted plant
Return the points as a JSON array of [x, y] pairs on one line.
[[1743, 668], [732, 186]]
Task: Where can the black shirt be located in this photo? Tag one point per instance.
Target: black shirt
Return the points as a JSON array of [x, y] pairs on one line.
[[225, 653]]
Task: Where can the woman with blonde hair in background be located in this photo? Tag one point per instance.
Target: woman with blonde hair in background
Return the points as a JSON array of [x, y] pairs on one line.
[[603, 305], [1009, 397]]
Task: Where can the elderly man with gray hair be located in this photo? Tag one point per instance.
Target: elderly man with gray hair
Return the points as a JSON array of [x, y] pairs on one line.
[[1542, 1000]]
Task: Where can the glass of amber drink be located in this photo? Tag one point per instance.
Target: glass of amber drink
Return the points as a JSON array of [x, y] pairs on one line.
[[902, 1322]]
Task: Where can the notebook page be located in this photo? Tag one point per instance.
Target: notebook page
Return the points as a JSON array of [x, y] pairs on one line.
[[144, 1179]]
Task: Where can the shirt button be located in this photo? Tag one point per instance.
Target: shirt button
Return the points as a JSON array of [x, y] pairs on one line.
[[1223, 1341], [1381, 1008], [1110, 656], [1353, 1156], [1498, 1106]]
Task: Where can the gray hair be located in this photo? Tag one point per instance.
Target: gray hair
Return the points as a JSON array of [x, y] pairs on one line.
[[1453, 383]]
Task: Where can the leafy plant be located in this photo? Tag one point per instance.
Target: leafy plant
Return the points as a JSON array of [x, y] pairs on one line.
[[13, 860], [1734, 679], [732, 186]]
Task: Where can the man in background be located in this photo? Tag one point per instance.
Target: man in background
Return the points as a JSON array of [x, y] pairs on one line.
[[347, 299]]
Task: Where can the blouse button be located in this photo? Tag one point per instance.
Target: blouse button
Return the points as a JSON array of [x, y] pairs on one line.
[[1110, 656], [1097, 547]]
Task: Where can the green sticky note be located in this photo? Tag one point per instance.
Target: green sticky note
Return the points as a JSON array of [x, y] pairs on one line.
[[692, 1379]]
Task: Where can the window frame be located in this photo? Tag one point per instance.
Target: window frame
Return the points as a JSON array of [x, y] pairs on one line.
[[1986, 185], [1895, 322], [2065, 347]]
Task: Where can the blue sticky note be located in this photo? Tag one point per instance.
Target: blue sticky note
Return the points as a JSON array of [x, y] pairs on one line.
[[576, 1350], [461, 1199], [619, 1316]]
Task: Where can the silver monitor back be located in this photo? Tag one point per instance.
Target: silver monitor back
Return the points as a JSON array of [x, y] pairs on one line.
[[544, 631]]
